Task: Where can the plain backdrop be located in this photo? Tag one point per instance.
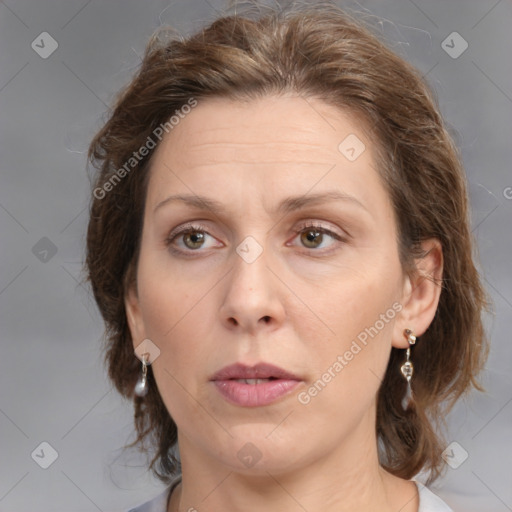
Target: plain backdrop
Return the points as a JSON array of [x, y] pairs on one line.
[[61, 62]]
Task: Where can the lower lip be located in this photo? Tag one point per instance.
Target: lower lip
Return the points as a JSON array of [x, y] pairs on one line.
[[254, 395]]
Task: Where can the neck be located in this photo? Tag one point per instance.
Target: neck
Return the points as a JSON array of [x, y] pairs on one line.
[[346, 479]]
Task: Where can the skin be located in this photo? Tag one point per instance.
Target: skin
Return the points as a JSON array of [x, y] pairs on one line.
[[298, 305]]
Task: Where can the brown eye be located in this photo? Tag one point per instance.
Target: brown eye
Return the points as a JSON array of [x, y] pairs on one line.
[[190, 238], [312, 238], [319, 240], [193, 239]]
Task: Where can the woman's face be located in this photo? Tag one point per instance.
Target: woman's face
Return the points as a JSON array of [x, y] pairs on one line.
[[280, 250]]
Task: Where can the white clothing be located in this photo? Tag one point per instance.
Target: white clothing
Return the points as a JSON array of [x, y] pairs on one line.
[[429, 502]]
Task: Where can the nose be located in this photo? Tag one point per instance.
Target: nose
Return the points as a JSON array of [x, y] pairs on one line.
[[252, 301]]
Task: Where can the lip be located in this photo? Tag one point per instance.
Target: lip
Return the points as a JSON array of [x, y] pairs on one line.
[[258, 371], [254, 395]]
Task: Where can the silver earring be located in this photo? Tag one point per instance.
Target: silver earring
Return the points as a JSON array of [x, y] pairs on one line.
[[141, 388], [407, 369]]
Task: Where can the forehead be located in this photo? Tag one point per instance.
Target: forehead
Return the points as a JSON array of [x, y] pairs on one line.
[[294, 122], [292, 142]]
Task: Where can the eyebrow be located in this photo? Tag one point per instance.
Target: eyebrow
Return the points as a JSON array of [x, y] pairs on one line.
[[288, 205]]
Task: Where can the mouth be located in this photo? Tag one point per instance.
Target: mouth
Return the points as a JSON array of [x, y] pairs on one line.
[[254, 386], [259, 372], [254, 381]]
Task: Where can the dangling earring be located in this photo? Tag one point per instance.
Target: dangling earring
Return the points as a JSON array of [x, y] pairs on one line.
[[407, 369], [141, 388]]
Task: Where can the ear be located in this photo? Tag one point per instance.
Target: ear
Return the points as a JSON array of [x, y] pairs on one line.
[[420, 295], [134, 315]]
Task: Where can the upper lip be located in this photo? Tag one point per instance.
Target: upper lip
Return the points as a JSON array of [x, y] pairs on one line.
[[258, 371]]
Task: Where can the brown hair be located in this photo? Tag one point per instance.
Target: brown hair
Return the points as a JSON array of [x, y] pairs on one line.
[[315, 52]]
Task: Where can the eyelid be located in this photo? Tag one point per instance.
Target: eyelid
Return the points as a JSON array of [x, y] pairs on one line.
[[188, 226], [338, 233], [331, 232], [180, 231]]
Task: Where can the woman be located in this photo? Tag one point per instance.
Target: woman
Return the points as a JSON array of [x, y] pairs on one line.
[[279, 230]]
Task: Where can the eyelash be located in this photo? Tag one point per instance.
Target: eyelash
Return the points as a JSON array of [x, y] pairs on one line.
[[192, 228]]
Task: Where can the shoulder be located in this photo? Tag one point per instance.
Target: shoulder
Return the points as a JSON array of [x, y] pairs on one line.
[[429, 502], [157, 504]]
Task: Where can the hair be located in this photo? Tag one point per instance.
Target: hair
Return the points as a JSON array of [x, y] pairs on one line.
[[319, 52]]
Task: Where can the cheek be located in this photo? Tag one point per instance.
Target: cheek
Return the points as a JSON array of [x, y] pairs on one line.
[[348, 368], [168, 296], [176, 313], [354, 300], [175, 320], [357, 312]]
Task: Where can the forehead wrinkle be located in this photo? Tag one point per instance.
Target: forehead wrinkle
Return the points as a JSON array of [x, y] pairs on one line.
[[223, 162], [279, 145], [298, 153]]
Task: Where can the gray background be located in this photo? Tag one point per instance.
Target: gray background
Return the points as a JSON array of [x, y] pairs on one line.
[[53, 385]]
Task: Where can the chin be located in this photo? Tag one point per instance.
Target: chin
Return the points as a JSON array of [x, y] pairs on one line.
[[254, 454]]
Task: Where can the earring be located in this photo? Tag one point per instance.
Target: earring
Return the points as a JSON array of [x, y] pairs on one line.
[[141, 388], [407, 369]]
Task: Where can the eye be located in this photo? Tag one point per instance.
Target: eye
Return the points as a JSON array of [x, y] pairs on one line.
[[190, 237], [314, 236]]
